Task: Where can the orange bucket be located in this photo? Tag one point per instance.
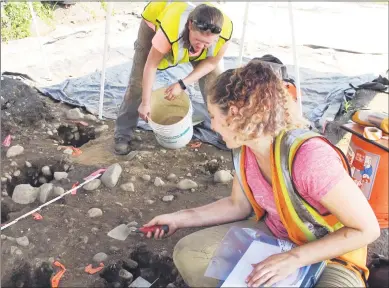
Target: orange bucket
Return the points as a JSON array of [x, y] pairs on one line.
[[369, 168]]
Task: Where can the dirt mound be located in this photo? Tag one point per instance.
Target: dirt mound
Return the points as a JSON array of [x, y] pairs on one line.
[[21, 105]]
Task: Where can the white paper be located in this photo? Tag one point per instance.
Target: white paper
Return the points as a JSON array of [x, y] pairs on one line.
[[257, 252]]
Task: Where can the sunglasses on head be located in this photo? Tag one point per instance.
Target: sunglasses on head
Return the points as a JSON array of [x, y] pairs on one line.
[[206, 26]]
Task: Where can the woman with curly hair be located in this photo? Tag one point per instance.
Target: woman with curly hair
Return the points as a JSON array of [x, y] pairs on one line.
[[295, 181]]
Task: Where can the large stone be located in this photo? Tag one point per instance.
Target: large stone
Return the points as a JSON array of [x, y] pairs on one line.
[[158, 182], [25, 194], [23, 241], [46, 171], [58, 191], [111, 177], [45, 192], [90, 117], [60, 175], [186, 184], [172, 177], [74, 114], [101, 128], [168, 198], [128, 187], [222, 176], [124, 274], [95, 212], [92, 185], [100, 257], [14, 151]]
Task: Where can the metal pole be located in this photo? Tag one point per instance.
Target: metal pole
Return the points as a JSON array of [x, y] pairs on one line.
[[295, 58], [44, 55], [106, 41], [242, 38]]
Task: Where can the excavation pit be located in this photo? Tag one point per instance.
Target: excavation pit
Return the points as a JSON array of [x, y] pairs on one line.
[[75, 135]]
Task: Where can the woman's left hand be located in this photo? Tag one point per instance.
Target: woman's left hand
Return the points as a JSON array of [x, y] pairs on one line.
[[272, 270], [173, 91]]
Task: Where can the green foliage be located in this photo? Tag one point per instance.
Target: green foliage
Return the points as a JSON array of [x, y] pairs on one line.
[[347, 106], [103, 5], [16, 18]]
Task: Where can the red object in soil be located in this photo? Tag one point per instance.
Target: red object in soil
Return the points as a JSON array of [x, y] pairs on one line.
[[75, 185], [196, 144], [37, 216], [76, 151], [58, 276], [7, 141], [90, 270]]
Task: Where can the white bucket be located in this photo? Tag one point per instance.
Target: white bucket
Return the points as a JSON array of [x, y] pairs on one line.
[[171, 121]]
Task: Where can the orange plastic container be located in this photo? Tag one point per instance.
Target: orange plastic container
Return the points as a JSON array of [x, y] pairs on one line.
[[369, 166]]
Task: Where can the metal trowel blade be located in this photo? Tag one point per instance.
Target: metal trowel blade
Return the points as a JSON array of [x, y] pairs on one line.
[[120, 232]]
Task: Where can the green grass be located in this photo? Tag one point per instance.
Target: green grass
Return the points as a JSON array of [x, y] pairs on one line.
[[16, 19]]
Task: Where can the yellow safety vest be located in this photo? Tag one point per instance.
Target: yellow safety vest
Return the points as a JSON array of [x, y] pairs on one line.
[[171, 19], [302, 222]]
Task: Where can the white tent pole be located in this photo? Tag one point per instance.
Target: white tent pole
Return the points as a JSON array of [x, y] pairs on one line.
[[44, 55], [242, 38], [295, 58], [106, 41]]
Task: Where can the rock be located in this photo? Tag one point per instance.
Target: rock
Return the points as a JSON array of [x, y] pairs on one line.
[[16, 251], [168, 198], [17, 173], [90, 117], [45, 191], [14, 164], [101, 128], [58, 191], [95, 212], [100, 257], [138, 138], [171, 285], [163, 151], [132, 265], [222, 176], [50, 133], [3, 179], [129, 187], [172, 177], [132, 178], [150, 202], [46, 171], [111, 176], [42, 180], [14, 151], [60, 175], [124, 274], [94, 230], [74, 114], [23, 241], [66, 167], [132, 155], [186, 184], [146, 177], [25, 194], [158, 182], [28, 164], [114, 249], [3, 237], [67, 151], [92, 185]]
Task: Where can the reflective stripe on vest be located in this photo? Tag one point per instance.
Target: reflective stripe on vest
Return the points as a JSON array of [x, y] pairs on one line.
[[171, 19]]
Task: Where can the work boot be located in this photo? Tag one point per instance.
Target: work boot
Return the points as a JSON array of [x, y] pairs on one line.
[[122, 146]]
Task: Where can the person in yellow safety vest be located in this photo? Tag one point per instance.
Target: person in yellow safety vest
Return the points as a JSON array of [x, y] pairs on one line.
[[295, 181], [171, 34]]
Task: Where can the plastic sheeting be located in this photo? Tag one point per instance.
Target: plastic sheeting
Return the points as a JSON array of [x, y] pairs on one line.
[[319, 90]]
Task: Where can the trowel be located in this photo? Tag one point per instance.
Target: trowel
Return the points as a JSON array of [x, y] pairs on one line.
[[122, 231]]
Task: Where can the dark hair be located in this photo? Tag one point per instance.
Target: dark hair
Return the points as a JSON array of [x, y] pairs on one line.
[[261, 98], [205, 14]]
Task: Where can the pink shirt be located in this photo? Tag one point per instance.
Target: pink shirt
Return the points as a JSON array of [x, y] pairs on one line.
[[317, 169], [161, 43]]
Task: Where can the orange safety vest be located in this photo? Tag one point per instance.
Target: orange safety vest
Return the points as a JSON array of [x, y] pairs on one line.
[[290, 206]]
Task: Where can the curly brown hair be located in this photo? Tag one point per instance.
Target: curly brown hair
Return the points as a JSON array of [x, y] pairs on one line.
[[265, 106]]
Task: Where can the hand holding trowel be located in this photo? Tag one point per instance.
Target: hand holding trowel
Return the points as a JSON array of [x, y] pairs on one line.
[[122, 231]]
